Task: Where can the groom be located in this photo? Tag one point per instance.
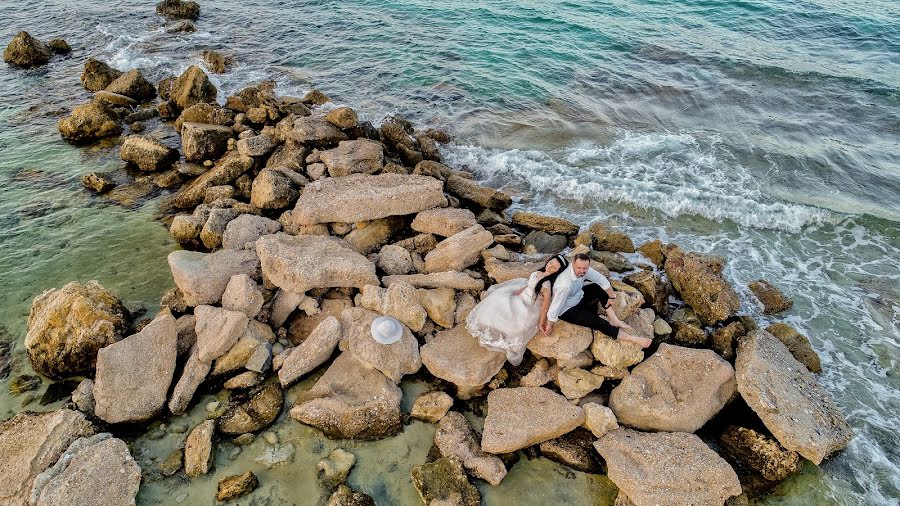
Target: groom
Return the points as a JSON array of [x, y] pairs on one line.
[[576, 303]]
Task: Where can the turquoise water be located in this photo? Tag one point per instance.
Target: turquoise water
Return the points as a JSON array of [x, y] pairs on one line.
[[764, 131]]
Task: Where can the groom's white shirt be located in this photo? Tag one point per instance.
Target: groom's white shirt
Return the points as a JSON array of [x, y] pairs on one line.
[[567, 290]]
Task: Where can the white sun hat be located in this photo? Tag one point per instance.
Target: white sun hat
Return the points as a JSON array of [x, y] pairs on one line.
[[386, 330]]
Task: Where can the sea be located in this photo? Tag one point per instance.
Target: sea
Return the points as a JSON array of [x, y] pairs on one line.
[[764, 131]]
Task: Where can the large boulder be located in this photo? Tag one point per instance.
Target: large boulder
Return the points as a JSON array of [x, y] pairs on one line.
[[90, 121], [548, 224], [361, 156], [217, 331], [203, 277], [26, 51], [449, 279], [456, 356], [97, 75], [471, 191], [30, 443], [254, 414], [312, 352], [147, 153], [132, 85], [356, 198], [445, 221], [120, 395], [351, 400], [272, 190], [301, 263], [698, 279], [94, 470], [797, 344], [675, 390], [315, 131], [178, 9], [667, 468], [256, 146], [454, 437], [565, 342], [66, 328], [607, 239], [200, 141], [400, 301], [459, 251], [192, 87], [788, 399], [393, 360], [246, 229], [525, 416]]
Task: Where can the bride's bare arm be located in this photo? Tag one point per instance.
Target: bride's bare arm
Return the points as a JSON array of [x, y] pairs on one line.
[[546, 297]]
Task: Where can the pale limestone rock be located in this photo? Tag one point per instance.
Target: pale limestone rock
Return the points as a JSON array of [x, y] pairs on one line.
[[615, 353], [195, 371], [431, 406], [202, 277], [300, 263], [599, 419], [524, 416], [243, 294], [565, 342], [575, 383], [217, 331], [455, 438], [444, 222], [456, 356], [360, 156], [458, 251], [400, 301], [440, 304], [450, 279], [393, 360], [312, 352]]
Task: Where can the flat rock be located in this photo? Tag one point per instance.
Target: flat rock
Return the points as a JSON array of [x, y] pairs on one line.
[[565, 342], [393, 360], [788, 399], [120, 395], [147, 153], [467, 189], [198, 449], [454, 437], [458, 251], [502, 272], [698, 279], [230, 167], [675, 390], [525, 416], [444, 222], [400, 301], [431, 406], [315, 131], [548, 224], [203, 277], [450, 279], [456, 356], [312, 352], [358, 198], [641, 466], [361, 156], [301, 263]]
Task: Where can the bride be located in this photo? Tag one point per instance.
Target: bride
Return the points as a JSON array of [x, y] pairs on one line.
[[508, 317]]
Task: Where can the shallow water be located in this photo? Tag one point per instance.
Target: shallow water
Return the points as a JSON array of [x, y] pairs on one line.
[[763, 131]]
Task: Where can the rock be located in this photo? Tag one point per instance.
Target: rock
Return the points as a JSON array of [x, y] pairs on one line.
[[214, 229], [215, 61], [524, 416], [301, 263], [445, 222], [88, 122], [232, 487], [459, 251], [346, 496], [400, 301], [122, 396], [455, 438], [26, 51], [565, 342], [226, 170], [217, 331], [606, 239], [178, 9], [289, 155], [334, 469], [315, 97], [132, 85], [254, 415], [540, 374], [244, 380], [66, 328], [654, 251], [24, 383], [192, 87], [394, 260], [94, 470], [544, 242], [466, 189], [374, 234], [361, 156], [202, 277], [502, 272], [247, 228], [456, 356], [615, 353], [257, 146], [314, 132], [195, 371], [393, 360], [342, 117], [599, 419], [575, 383], [772, 299], [640, 464], [615, 262], [198, 449], [687, 334], [201, 142], [312, 352], [661, 327], [30, 443], [443, 483], [238, 354], [652, 288], [788, 399], [183, 26], [420, 243], [97, 75], [272, 190], [797, 344], [243, 294], [575, 450], [725, 339], [98, 182], [147, 153], [675, 390], [59, 46], [455, 280], [760, 453], [351, 400], [439, 304], [277, 455], [326, 201], [173, 462], [204, 113], [431, 406], [698, 279], [548, 224], [115, 100], [83, 397]]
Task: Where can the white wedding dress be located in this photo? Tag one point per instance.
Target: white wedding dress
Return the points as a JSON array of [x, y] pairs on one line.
[[506, 322]]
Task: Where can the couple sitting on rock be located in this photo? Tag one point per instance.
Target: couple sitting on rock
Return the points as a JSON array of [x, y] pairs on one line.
[[514, 311]]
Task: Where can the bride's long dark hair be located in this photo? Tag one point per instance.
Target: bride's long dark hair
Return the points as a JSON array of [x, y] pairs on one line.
[[551, 278]]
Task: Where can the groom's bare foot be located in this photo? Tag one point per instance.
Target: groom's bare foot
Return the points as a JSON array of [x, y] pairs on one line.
[[643, 342]]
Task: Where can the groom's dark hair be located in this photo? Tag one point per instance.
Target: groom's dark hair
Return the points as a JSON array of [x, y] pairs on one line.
[[581, 256]]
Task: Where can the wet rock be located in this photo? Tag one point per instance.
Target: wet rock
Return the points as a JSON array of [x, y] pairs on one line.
[[122, 396], [254, 415], [725, 339], [312, 352], [202, 277], [26, 51], [759, 452], [88, 122], [301, 263], [652, 288], [183, 26], [599, 419], [277, 455], [548, 224], [24, 383], [654, 251], [195, 371], [400, 301], [431, 406], [393, 360], [575, 383], [32, 442], [524, 416], [455, 438], [192, 87], [675, 390], [698, 279], [201, 142], [615, 353], [59, 46], [607, 239], [444, 482], [226, 170], [178, 9], [315, 97], [565, 342], [575, 450], [98, 182], [232, 487], [97, 75], [215, 61], [346, 496], [66, 328], [172, 464], [147, 153], [543, 242], [469, 190], [687, 334], [797, 344], [444, 222], [332, 200], [772, 299], [334, 469], [394, 260], [247, 228], [640, 465], [456, 356], [198, 448], [788, 399], [132, 85], [93, 470], [351, 400], [459, 251], [361, 156]]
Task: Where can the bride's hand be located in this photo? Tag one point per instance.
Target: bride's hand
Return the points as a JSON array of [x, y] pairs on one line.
[[519, 291]]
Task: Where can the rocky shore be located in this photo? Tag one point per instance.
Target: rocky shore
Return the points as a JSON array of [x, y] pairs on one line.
[[300, 224]]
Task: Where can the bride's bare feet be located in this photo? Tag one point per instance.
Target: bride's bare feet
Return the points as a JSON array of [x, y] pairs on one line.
[[643, 342]]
